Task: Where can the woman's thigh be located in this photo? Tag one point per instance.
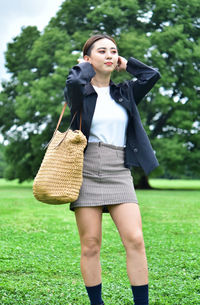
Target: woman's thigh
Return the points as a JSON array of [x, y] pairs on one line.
[[127, 219], [89, 223]]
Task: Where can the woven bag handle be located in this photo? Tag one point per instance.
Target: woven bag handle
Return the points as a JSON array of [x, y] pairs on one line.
[[60, 119], [61, 115]]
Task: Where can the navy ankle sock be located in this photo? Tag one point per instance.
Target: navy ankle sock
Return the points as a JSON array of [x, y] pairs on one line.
[[140, 294], [94, 294]]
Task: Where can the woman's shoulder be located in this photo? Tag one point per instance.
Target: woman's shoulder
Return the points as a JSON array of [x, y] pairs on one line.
[[124, 84]]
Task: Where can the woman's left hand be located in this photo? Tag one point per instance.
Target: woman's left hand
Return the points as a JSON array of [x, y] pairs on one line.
[[122, 64]]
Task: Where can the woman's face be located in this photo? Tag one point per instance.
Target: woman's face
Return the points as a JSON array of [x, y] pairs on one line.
[[104, 56]]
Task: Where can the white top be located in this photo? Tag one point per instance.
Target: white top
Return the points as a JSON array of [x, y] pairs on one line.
[[109, 121]]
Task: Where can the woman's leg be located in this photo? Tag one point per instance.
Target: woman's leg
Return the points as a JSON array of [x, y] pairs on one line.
[[89, 222], [127, 219]]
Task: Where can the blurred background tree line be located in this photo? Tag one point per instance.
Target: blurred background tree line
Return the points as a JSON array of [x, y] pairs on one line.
[[163, 34]]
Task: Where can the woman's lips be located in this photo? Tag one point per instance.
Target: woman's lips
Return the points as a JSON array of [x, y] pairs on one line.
[[108, 63]]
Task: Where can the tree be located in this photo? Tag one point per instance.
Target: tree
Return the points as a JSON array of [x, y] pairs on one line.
[[2, 160], [36, 85], [162, 34], [174, 116]]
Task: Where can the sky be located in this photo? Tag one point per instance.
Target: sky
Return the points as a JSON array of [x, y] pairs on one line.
[[14, 14]]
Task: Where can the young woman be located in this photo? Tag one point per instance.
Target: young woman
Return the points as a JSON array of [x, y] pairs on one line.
[[116, 142]]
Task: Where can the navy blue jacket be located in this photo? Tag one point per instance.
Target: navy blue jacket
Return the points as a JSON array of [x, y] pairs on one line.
[[80, 95]]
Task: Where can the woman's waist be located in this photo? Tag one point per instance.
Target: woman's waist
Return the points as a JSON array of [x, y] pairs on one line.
[[102, 144]]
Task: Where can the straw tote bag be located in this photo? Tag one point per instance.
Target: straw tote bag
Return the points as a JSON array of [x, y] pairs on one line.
[[59, 178]]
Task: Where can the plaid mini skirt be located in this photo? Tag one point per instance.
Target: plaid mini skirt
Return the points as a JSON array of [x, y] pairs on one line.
[[106, 181]]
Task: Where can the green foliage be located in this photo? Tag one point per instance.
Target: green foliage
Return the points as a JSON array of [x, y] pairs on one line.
[[40, 250], [31, 102], [2, 160], [163, 34], [17, 58]]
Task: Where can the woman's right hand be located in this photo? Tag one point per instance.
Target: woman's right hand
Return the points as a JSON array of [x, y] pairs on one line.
[[122, 64]]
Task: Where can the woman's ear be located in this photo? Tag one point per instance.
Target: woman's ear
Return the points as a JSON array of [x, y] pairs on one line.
[[87, 58]]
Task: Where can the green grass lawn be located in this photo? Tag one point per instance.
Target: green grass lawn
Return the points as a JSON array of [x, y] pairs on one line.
[[175, 184], [40, 251]]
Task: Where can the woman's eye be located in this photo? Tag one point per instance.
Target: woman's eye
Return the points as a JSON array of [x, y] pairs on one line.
[[103, 51]]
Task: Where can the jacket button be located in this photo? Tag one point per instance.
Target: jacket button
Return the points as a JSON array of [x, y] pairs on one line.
[[135, 150], [120, 99]]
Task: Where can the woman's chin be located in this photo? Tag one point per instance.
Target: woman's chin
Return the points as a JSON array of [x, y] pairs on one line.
[[105, 70], [109, 69]]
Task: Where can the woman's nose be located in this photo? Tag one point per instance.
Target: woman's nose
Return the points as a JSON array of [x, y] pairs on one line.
[[108, 55]]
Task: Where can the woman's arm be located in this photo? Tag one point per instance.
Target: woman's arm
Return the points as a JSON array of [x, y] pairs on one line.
[[78, 76], [146, 78]]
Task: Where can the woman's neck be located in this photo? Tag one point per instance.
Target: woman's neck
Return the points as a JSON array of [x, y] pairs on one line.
[[101, 81]]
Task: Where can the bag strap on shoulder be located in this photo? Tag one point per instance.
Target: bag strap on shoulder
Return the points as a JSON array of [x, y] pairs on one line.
[[60, 119], [61, 115]]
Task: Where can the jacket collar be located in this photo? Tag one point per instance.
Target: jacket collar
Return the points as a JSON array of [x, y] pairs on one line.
[[90, 90]]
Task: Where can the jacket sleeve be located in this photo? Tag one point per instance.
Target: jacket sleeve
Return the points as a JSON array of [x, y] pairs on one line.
[[78, 76], [146, 78]]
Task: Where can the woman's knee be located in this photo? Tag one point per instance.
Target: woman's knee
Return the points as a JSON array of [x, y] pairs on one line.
[[134, 241], [90, 246]]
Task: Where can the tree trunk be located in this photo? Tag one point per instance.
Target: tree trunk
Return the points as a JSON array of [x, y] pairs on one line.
[[140, 179]]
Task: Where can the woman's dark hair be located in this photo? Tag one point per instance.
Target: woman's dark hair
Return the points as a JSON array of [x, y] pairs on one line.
[[88, 46]]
